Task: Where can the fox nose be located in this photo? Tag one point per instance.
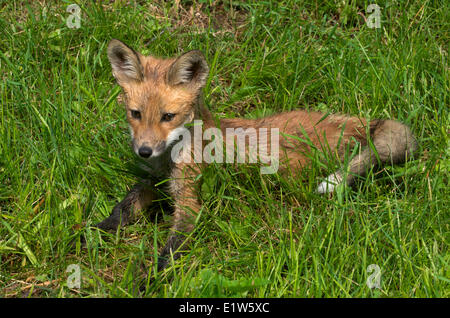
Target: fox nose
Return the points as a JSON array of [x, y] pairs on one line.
[[145, 152]]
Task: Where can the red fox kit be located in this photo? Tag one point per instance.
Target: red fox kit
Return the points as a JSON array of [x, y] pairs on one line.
[[163, 98]]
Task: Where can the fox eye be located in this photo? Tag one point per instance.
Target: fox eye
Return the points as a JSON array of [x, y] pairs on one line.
[[136, 114], [167, 117]]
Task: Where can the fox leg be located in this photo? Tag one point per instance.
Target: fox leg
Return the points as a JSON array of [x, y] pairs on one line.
[[394, 143], [139, 197], [185, 214]]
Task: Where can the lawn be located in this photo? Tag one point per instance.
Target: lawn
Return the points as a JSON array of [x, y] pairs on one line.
[[65, 156]]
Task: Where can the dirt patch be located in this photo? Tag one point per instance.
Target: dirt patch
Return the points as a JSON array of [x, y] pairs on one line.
[[187, 16]]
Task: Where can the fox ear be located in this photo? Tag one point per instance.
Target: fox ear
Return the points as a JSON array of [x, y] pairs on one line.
[[125, 62], [189, 69]]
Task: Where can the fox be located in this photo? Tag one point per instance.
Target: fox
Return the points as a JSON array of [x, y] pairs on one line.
[[163, 96]]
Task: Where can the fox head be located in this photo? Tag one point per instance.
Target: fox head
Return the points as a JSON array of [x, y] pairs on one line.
[[160, 94]]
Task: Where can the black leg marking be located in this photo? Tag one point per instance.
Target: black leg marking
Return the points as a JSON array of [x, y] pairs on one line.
[[122, 213], [172, 245]]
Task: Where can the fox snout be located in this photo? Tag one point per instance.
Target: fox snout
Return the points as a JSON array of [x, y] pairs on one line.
[[145, 152]]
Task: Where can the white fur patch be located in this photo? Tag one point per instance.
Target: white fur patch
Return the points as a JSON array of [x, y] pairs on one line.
[[174, 135], [131, 132], [330, 183]]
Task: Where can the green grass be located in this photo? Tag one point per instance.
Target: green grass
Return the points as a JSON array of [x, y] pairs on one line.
[[65, 159]]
